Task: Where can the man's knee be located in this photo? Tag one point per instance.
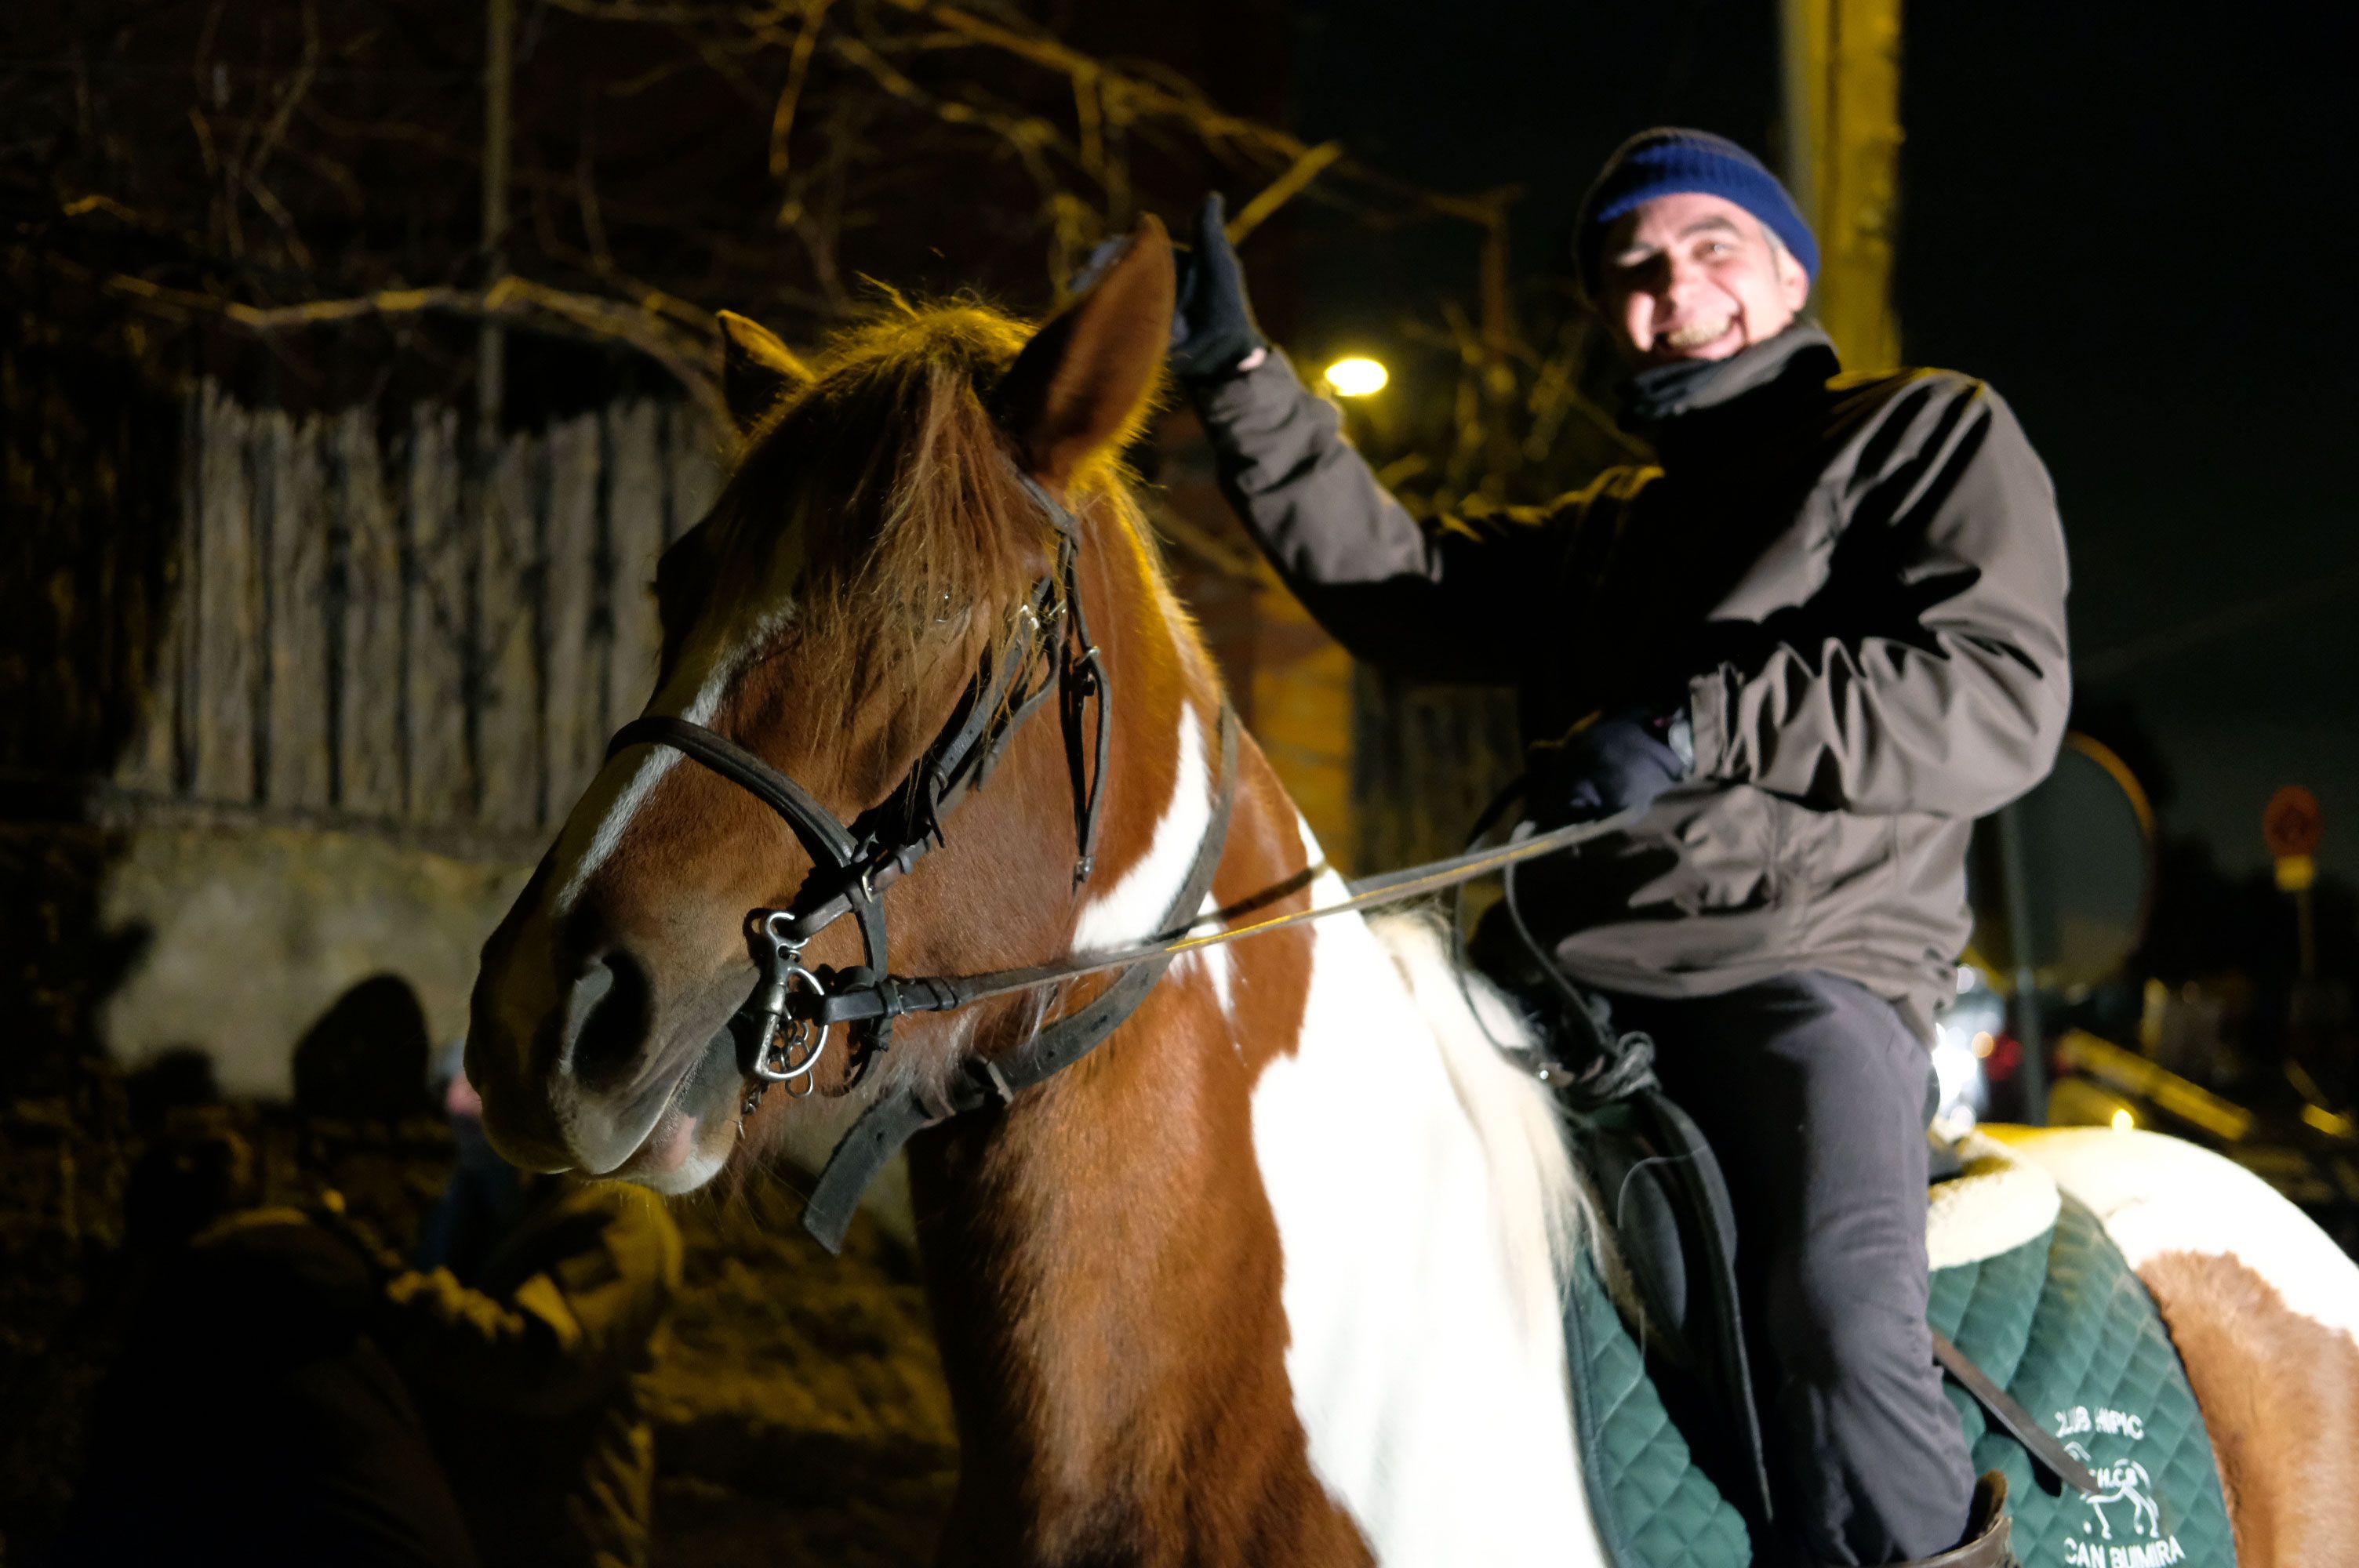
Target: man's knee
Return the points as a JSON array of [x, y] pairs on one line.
[[1837, 1315]]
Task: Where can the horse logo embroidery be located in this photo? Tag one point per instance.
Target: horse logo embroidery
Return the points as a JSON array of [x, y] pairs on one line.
[[2125, 1482], [2121, 1481]]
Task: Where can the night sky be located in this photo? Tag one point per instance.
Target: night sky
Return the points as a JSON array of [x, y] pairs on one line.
[[2133, 228]]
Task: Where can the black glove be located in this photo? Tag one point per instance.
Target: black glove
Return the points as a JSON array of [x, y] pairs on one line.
[[1610, 764], [1212, 322]]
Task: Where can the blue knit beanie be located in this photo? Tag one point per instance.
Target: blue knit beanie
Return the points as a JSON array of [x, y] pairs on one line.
[[1670, 161]]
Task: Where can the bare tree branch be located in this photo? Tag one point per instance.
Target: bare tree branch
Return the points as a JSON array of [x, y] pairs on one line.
[[1282, 189]]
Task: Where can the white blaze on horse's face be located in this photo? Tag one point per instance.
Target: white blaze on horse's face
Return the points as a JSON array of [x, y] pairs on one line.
[[746, 615], [673, 1134]]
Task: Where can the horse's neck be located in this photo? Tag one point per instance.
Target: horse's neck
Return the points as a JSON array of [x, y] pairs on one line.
[[1238, 1287], [1413, 1177]]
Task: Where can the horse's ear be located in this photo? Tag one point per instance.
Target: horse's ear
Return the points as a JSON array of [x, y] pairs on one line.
[[1084, 376], [756, 370]]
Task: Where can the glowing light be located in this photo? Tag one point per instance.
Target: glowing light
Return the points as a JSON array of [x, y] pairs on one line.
[[2124, 1121], [1984, 1044], [1953, 1064], [1357, 376]]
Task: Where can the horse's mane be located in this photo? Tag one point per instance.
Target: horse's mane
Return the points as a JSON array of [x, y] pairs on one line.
[[920, 540], [1546, 1214]]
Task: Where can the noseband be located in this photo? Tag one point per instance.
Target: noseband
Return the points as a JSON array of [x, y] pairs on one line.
[[781, 1031]]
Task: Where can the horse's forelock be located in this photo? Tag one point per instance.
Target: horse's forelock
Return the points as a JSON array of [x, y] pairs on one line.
[[921, 539]]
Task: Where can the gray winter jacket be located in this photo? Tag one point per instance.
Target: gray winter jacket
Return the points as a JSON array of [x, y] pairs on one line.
[[1856, 583]]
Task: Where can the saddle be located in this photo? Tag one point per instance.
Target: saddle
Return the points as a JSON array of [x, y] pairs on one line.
[[2058, 1361]]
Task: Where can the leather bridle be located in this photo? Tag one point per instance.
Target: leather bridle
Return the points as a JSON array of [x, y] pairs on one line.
[[782, 1029]]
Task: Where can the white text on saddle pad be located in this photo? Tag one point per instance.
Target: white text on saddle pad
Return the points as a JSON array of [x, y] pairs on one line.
[[2151, 1554], [2126, 1497], [2113, 1423]]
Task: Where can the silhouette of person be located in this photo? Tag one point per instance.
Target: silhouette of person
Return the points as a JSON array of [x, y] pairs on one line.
[[253, 1417], [526, 1335]]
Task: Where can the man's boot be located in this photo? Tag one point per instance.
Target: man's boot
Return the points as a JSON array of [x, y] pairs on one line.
[[1988, 1531]]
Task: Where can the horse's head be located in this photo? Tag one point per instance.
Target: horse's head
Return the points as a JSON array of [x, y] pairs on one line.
[[872, 551]]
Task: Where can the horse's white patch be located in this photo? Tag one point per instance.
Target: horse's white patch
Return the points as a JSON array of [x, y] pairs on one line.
[[2000, 1203], [1425, 1351], [1132, 909], [2159, 1195], [1218, 964]]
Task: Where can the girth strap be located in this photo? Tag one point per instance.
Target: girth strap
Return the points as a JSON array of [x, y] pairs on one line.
[[900, 1114]]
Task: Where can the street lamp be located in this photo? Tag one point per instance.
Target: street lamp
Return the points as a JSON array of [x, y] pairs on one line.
[[1356, 375]]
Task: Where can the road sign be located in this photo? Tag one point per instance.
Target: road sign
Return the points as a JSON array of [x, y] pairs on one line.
[[2292, 824]]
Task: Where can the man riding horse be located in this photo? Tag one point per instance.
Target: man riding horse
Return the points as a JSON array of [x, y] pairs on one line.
[[1806, 647]]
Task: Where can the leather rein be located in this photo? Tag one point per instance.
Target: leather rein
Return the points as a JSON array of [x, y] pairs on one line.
[[782, 1030]]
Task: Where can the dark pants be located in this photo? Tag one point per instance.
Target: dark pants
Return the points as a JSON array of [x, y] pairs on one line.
[[1812, 1093]]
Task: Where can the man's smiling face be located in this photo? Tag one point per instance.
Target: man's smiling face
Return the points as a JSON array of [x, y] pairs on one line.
[[1690, 276]]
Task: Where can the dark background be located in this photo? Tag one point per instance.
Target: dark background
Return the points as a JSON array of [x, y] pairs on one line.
[[2130, 223], [2128, 219]]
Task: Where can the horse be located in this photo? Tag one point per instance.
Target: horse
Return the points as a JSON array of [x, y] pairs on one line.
[[1275, 1273]]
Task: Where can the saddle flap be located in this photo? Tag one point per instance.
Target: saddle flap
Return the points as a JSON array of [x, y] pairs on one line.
[[1675, 1239]]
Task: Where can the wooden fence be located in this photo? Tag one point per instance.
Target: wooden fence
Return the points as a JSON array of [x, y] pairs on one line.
[[371, 624], [355, 620]]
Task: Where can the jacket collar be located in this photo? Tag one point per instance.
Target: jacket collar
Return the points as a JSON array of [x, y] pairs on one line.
[[1800, 355]]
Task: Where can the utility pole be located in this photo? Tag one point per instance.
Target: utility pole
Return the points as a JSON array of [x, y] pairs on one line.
[[2023, 943], [1841, 125], [491, 352]]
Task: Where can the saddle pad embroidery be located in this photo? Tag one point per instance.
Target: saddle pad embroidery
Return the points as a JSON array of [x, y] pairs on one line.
[[2082, 1345], [2060, 1322]]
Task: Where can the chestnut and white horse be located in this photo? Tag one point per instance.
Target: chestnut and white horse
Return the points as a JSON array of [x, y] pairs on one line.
[[1273, 1275]]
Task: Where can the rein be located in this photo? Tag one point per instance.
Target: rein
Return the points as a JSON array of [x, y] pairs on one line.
[[782, 1029]]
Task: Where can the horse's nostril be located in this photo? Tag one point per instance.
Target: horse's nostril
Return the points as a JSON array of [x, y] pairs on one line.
[[613, 1009]]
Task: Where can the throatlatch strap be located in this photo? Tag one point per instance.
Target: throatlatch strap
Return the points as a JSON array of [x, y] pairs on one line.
[[898, 1116]]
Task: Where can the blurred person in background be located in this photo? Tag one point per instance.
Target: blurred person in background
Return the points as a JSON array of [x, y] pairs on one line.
[[526, 1335], [290, 1393], [253, 1417]]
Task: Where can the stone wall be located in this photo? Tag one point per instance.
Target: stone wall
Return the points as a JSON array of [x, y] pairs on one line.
[[248, 935]]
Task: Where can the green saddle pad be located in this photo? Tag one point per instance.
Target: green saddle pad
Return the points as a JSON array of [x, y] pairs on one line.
[[2060, 1322]]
